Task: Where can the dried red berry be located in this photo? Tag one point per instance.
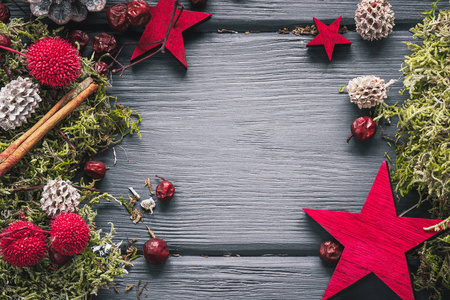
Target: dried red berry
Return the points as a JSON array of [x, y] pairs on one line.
[[101, 68], [4, 13], [198, 3], [138, 13], [57, 258], [95, 169], [165, 190], [4, 41], [156, 251], [363, 129], [103, 43], [80, 37], [117, 17], [330, 252]]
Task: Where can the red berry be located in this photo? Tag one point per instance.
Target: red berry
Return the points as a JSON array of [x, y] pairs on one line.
[[138, 13], [198, 2], [4, 13], [330, 252], [95, 169], [165, 190], [117, 17], [363, 129], [4, 41], [101, 68], [57, 258], [80, 37], [103, 43], [156, 251]]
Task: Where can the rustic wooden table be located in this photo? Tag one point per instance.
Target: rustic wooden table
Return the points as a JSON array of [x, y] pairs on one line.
[[252, 133]]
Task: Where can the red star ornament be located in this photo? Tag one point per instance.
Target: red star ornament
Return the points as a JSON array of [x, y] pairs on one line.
[[375, 240], [328, 36], [157, 27]]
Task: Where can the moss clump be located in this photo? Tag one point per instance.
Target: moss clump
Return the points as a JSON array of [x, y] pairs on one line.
[[97, 123], [423, 139]]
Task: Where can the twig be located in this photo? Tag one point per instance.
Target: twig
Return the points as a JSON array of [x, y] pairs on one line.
[[408, 210], [126, 154], [40, 132], [115, 155], [149, 184], [150, 232], [87, 188], [142, 289], [21, 9], [66, 139]]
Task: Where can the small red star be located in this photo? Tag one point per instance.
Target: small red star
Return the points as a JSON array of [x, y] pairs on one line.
[[157, 27], [328, 36], [375, 240]]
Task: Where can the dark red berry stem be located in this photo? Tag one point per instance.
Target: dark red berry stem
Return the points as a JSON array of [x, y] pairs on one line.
[[65, 138], [5, 234], [161, 177]]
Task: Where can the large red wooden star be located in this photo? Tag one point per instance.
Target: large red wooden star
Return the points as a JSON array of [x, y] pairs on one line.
[[157, 27], [375, 240], [328, 36]]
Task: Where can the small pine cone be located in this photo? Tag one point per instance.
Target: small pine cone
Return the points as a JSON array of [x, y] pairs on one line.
[[367, 91], [59, 196], [374, 19], [18, 100]]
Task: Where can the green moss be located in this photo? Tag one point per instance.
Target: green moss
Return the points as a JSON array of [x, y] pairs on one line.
[[423, 139], [99, 122]]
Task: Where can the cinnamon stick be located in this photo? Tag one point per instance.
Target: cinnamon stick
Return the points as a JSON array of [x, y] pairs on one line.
[[68, 97], [40, 132]]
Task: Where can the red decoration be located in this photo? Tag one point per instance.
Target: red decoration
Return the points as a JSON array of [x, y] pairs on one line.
[[69, 234], [54, 62], [158, 25], [374, 240], [22, 244], [328, 36]]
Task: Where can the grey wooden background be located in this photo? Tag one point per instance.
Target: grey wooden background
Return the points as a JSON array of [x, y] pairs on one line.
[[252, 133]]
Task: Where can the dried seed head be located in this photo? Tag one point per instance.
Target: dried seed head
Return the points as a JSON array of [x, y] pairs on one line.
[[374, 19], [367, 91]]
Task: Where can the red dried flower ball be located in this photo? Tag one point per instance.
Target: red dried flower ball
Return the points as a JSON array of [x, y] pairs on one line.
[[24, 248], [54, 62], [69, 234]]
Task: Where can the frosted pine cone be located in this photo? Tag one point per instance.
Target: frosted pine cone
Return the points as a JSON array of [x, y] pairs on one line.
[[18, 100], [59, 196], [374, 19], [367, 91]]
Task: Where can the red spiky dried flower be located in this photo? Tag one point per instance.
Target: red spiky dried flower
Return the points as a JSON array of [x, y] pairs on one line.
[[23, 244], [69, 234], [54, 62]]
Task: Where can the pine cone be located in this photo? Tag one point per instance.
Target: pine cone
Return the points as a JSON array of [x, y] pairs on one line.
[[59, 196], [18, 100], [367, 91], [374, 19]]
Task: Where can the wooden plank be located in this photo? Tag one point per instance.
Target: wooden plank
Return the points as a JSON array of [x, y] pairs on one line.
[[242, 278], [253, 132], [275, 14]]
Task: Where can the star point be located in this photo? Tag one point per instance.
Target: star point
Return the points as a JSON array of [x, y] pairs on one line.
[[328, 36], [375, 240], [157, 27]]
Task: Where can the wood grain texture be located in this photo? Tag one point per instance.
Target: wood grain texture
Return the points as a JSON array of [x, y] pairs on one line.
[[303, 278], [273, 15], [253, 132]]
